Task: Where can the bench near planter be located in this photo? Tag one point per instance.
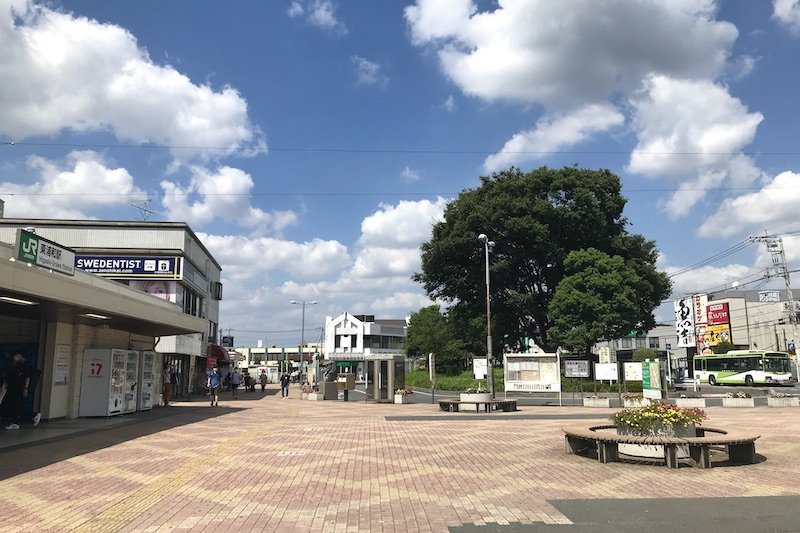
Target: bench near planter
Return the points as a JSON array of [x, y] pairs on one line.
[[699, 403], [783, 402], [741, 447], [597, 402], [738, 402], [454, 406]]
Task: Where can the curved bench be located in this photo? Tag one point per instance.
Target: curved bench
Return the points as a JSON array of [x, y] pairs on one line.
[[452, 406], [741, 447]]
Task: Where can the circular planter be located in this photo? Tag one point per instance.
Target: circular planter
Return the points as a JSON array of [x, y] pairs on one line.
[[469, 400], [656, 451]]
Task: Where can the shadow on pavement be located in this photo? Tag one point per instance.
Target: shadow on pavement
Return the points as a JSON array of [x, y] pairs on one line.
[[100, 433]]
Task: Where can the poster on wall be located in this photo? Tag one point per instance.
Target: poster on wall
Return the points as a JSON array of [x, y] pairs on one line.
[[61, 374], [165, 290], [718, 333], [684, 322]]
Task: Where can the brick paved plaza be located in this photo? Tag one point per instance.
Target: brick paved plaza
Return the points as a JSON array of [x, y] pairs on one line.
[[267, 464]]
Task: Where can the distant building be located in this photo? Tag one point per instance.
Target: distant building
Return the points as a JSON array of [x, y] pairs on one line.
[[349, 336]]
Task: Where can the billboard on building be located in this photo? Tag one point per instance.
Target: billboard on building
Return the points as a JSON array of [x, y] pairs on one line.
[[131, 267], [700, 302], [684, 322], [166, 290], [719, 324], [718, 333], [718, 314]]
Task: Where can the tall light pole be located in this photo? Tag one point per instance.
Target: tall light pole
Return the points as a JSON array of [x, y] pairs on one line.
[[487, 244], [302, 331]]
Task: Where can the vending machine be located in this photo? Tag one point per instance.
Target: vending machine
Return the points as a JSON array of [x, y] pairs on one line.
[[146, 392], [130, 389], [103, 382]]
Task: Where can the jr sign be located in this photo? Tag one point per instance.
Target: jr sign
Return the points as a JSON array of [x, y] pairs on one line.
[[33, 249]]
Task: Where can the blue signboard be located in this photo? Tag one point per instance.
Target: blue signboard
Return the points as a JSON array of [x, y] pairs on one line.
[[130, 267]]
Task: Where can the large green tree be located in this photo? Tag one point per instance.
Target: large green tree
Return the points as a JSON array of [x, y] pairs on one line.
[[535, 219], [601, 297], [429, 331]]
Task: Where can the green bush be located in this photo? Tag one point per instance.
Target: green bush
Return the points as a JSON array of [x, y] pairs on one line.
[[458, 382]]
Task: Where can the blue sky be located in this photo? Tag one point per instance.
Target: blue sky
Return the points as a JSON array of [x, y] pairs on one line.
[[312, 143]]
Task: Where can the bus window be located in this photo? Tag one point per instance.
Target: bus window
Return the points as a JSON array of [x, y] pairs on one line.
[[714, 365], [699, 364], [777, 364]]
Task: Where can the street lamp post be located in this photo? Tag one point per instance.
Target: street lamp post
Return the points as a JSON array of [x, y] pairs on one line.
[[302, 331], [487, 244]]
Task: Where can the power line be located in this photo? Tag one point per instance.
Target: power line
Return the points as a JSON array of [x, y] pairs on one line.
[[423, 151]]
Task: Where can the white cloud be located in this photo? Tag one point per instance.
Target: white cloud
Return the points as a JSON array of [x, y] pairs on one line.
[[71, 188], [405, 225], [224, 194], [554, 132], [692, 131], [368, 72], [375, 279], [318, 13], [540, 51], [775, 204], [62, 72], [449, 104], [787, 12], [410, 175], [245, 257]]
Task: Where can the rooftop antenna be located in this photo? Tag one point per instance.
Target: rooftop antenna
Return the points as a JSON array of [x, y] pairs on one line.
[[144, 208]]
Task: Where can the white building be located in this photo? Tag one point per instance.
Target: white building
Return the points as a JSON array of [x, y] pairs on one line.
[[348, 336], [164, 259]]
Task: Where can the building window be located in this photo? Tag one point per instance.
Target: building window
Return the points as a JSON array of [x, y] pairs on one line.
[[641, 342], [212, 332], [626, 343], [652, 342]]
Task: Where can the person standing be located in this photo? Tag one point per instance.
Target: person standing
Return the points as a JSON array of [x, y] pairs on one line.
[[173, 381], [166, 386], [17, 380], [285, 385], [212, 384], [236, 380], [263, 379]]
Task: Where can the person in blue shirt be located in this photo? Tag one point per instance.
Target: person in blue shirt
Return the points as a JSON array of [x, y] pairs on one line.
[[213, 382]]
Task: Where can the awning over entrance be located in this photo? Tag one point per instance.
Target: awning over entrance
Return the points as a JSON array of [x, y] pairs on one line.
[[217, 356]]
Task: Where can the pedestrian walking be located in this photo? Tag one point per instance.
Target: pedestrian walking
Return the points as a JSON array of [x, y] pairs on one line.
[[212, 384], [17, 381], [236, 380], [173, 381], [263, 379], [166, 387], [285, 385]]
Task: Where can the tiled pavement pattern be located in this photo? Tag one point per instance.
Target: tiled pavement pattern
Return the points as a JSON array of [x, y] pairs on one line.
[[291, 465]]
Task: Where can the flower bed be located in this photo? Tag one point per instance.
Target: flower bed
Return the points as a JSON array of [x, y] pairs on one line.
[[656, 419], [739, 399], [405, 395], [594, 401]]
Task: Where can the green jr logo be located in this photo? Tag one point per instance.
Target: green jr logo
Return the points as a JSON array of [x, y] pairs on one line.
[[28, 247]]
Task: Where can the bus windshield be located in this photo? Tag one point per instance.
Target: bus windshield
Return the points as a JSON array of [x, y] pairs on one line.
[[777, 364]]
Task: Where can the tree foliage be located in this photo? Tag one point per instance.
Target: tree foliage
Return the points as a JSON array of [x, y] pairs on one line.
[[723, 347], [535, 219], [640, 354], [429, 331], [601, 297]]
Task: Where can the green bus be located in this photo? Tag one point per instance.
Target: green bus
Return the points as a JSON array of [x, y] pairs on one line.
[[744, 367]]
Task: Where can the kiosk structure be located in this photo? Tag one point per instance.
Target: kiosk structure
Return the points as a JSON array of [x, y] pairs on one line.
[[107, 382], [146, 390]]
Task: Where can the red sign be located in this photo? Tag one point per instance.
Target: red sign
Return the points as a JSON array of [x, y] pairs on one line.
[[718, 314], [212, 362]]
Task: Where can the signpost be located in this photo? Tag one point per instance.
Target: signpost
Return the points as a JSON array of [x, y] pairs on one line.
[[479, 367], [44, 253], [651, 380], [432, 375]]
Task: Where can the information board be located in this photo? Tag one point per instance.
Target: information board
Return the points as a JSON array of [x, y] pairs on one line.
[[532, 372], [605, 372], [633, 371], [651, 380], [576, 369], [479, 367]]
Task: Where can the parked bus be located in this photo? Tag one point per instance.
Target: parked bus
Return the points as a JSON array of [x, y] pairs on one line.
[[744, 367]]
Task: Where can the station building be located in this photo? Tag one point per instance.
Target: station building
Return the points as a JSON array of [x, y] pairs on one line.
[[132, 285]]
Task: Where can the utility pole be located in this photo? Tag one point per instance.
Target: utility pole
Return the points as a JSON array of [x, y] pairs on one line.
[[780, 269]]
